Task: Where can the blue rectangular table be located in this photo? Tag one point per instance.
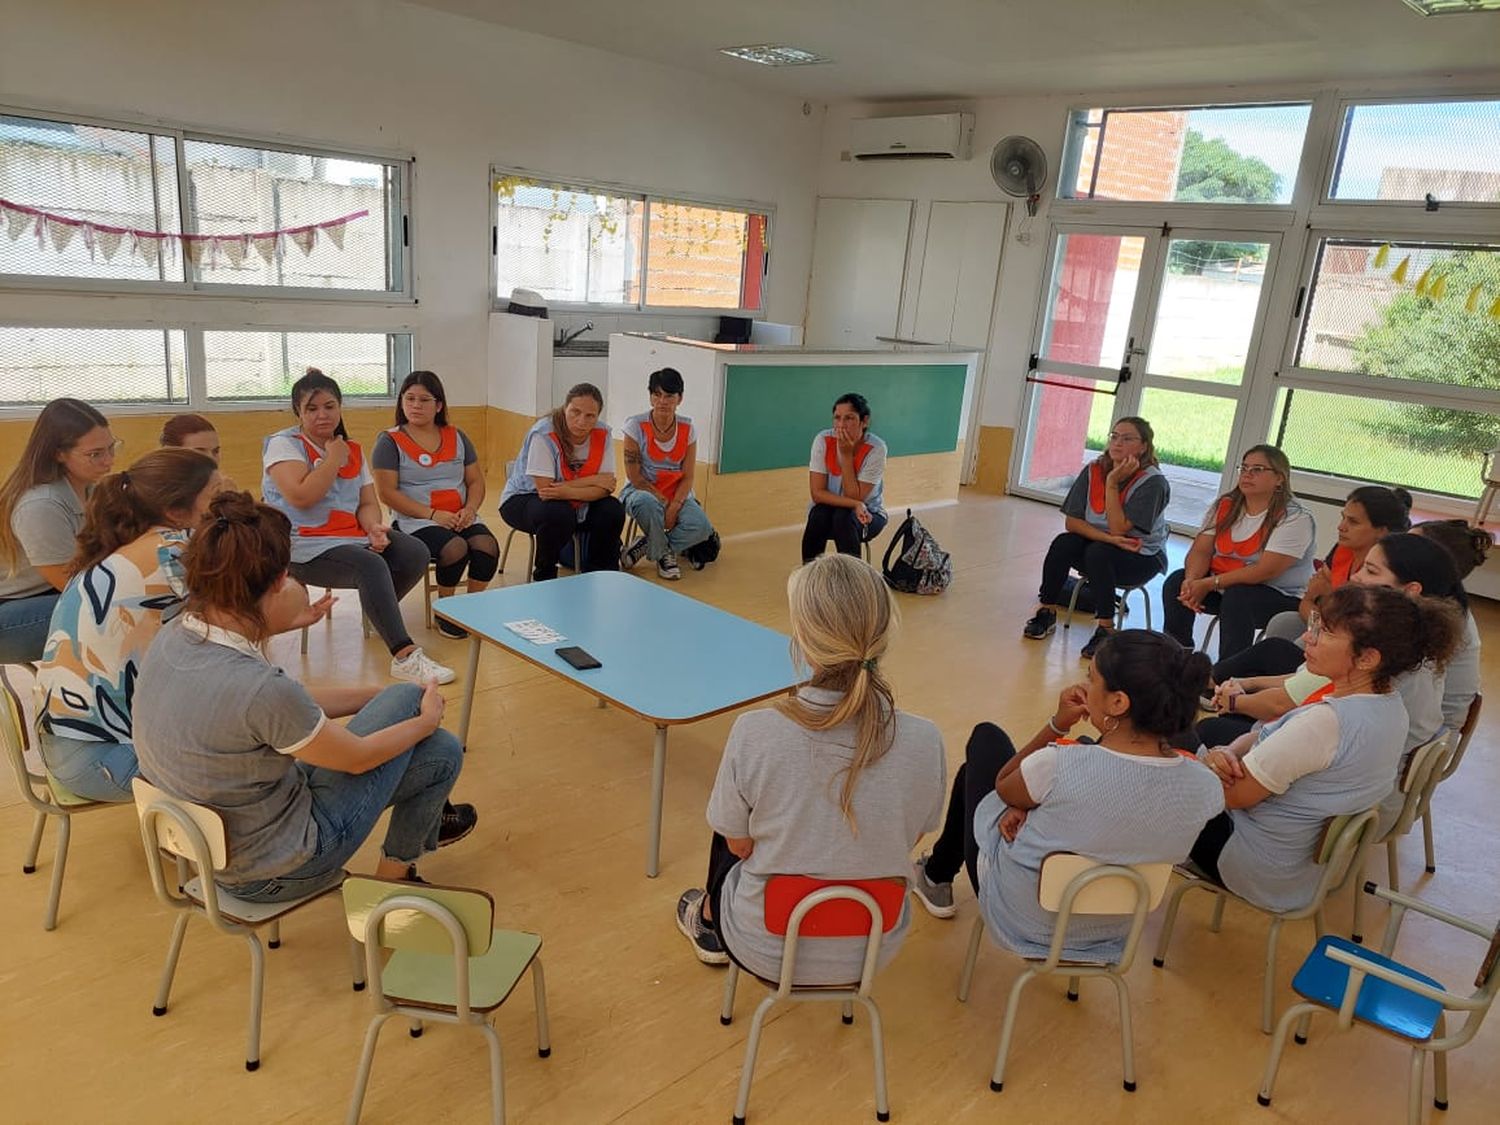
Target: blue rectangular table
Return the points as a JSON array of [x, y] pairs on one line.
[[667, 658]]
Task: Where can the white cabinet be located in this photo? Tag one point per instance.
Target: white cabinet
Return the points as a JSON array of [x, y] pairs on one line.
[[859, 264]]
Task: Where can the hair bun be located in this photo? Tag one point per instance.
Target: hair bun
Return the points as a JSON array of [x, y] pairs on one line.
[[233, 507], [1402, 495]]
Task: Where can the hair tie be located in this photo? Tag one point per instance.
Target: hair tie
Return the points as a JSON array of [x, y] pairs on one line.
[[124, 478], [868, 665]]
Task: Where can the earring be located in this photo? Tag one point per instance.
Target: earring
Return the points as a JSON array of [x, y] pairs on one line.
[[1111, 724]]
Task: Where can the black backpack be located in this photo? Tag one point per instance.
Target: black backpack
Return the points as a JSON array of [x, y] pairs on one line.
[[705, 552], [919, 565]]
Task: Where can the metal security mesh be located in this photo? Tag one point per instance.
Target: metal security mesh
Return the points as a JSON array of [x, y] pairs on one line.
[[101, 365], [1448, 150], [568, 244], [264, 365], [1431, 448], [696, 256]]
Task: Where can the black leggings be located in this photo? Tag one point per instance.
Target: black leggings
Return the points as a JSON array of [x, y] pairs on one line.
[[1241, 610], [473, 548], [825, 522], [381, 577], [554, 522], [1274, 656], [1105, 566], [988, 749], [1210, 845]]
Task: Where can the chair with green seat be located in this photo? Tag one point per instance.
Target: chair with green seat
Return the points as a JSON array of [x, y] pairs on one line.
[[448, 963], [45, 796], [1340, 852], [196, 834], [1074, 884], [1465, 735], [1362, 986]]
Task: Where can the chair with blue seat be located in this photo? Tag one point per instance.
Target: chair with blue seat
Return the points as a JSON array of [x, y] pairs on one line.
[[1374, 989], [1340, 852], [800, 907], [447, 963], [1074, 884]]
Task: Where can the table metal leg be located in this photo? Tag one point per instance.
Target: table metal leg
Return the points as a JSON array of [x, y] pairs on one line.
[[468, 708], [658, 784]]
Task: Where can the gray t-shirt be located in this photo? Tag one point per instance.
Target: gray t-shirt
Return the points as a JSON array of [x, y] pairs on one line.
[[46, 521], [779, 784], [216, 723]]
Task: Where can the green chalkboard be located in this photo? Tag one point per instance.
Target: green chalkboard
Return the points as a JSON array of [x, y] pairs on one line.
[[772, 412]]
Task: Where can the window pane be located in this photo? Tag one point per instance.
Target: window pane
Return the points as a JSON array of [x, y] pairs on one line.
[[1450, 150], [1421, 313], [241, 190], [1431, 448], [1192, 437], [264, 365], [1092, 293], [568, 244], [697, 255], [1209, 154], [1206, 312], [114, 177], [100, 365]]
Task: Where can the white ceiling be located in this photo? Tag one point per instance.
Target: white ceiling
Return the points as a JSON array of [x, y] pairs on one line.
[[906, 50]]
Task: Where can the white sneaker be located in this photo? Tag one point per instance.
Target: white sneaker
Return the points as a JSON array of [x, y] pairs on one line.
[[417, 667], [667, 567]]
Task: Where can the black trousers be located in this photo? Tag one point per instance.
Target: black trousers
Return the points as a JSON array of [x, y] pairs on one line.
[[1241, 609], [1274, 656], [1210, 845], [986, 753], [825, 522], [553, 523], [1105, 566]]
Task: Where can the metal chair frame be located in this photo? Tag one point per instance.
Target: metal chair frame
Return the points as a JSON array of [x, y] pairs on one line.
[[1121, 602], [1462, 738]]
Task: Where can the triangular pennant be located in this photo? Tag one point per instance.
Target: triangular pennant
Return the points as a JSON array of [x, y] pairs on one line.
[[1422, 282], [1495, 310], [16, 223], [1382, 255], [108, 242], [148, 248], [1471, 303], [304, 239], [1398, 275], [192, 248], [1438, 288], [61, 234], [265, 246], [335, 233], [235, 248]]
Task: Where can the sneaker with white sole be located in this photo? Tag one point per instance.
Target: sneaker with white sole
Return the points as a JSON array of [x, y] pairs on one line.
[[417, 667], [706, 944], [666, 567], [936, 897], [633, 553]]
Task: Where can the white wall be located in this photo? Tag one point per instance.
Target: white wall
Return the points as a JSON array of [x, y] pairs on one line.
[[458, 94]]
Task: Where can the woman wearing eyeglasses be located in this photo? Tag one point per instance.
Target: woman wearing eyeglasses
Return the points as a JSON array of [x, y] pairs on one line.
[[427, 473], [1252, 559], [1115, 515], [41, 512]]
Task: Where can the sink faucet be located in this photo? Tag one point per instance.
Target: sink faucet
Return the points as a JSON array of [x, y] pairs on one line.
[[566, 338]]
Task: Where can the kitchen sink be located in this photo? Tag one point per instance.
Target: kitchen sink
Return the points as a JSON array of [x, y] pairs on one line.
[[581, 348]]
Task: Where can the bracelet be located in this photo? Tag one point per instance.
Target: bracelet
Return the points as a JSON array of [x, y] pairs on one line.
[[432, 514], [1229, 706], [1057, 730], [1216, 582]]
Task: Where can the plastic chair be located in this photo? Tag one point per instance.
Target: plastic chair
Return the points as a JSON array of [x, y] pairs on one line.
[[800, 907], [1074, 884], [1424, 769], [531, 555], [44, 795], [1340, 853], [364, 623], [1121, 603], [448, 964], [1374, 989], [1450, 767], [196, 834]]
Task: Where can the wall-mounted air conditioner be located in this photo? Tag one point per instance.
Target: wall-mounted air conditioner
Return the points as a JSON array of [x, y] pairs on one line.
[[938, 136]]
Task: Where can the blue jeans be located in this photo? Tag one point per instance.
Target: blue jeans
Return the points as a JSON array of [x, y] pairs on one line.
[[346, 806], [692, 523], [100, 771], [23, 627]]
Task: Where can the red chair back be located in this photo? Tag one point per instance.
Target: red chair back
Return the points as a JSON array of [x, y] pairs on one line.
[[839, 918]]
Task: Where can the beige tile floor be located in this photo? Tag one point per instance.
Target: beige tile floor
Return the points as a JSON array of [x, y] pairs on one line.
[[562, 789]]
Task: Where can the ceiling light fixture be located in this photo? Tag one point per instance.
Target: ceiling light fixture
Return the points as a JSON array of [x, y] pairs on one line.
[[1452, 7], [772, 54]]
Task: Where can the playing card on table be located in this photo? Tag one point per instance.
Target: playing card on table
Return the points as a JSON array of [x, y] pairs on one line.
[[535, 632]]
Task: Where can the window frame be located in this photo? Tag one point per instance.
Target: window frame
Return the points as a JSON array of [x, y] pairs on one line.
[[398, 224], [647, 196]]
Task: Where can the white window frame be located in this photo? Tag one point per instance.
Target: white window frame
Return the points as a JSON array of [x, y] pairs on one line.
[[398, 228], [500, 303]]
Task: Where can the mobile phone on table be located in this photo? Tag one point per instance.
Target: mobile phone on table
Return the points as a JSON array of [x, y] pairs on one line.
[[578, 658]]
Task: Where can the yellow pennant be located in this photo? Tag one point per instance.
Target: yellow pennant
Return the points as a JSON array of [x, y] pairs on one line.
[[1422, 282], [1438, 288], [1398, 275], [1495, 310], [1382, 255], [1472, 303]]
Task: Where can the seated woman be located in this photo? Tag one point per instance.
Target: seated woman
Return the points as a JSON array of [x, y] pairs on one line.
[[561, 482], [298, 794], [833, 782], [127, 580], [1129, 798], [1115, 515], [1334, 757], [1370, 513], [41, 511], [318, 479], [195, 432], [1251, 560], [846, 478], [1468, 547], [661, 454], [427, 473]]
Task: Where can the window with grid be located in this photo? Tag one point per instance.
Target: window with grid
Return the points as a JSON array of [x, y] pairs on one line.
[[133, 179], [580, 245], [248, 365], [1442, 151], [1187, 154]]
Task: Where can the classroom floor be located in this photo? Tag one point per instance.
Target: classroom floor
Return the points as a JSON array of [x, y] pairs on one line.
[[562, 791]]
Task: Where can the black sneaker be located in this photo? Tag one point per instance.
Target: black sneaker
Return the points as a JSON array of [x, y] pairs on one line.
[[633, 553], [706, 944], [1100, 633], [448, 629], [458, 821], [1043, 624]]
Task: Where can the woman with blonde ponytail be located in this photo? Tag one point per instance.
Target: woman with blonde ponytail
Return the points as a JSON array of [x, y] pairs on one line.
[[834, 782]]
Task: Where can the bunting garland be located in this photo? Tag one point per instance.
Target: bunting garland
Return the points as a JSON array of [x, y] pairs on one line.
[[58, 231], [1433, 288]]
